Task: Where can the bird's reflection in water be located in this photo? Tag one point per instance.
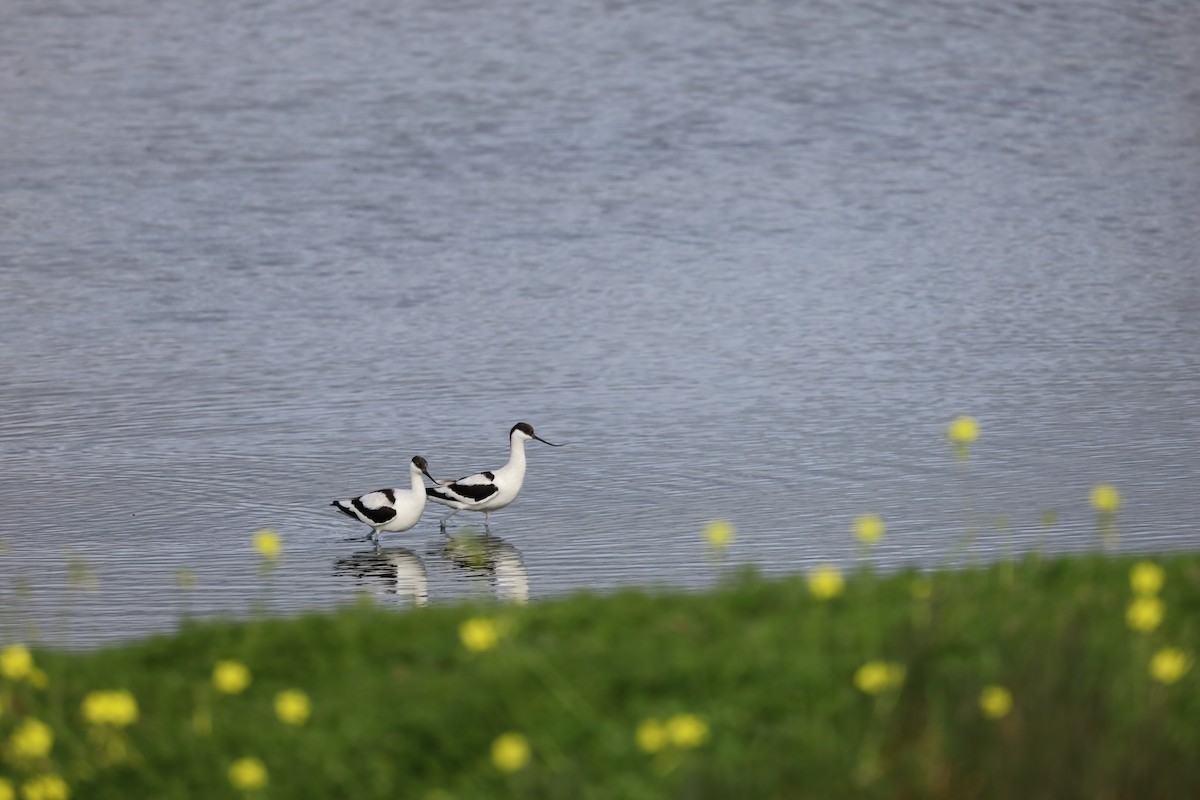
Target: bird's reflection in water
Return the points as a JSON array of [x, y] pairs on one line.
[[389, 571], [490, 557]]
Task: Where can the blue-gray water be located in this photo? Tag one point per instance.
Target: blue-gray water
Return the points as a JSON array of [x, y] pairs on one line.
[[746, 258]]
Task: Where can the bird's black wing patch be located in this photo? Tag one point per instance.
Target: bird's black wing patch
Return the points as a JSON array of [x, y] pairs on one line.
[[376, 515], [475, 492]]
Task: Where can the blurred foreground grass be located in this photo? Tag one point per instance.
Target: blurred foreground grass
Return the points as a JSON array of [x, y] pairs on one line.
[[1040, 679]]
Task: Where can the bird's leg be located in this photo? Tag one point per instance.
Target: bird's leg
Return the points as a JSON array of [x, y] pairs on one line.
[[442, 521], [487, 523]]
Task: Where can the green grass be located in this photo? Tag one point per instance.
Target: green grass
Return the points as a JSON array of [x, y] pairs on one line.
[[401, 709]]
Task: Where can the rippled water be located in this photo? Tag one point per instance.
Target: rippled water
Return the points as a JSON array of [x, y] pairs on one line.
[[746, 258]]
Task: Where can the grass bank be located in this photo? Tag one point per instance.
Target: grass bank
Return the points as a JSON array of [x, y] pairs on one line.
[[1039, 679]]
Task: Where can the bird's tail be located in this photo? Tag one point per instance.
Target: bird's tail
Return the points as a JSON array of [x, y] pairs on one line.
[[438, 494], [343, 507]]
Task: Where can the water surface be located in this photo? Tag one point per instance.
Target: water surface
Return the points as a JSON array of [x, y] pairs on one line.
[[746, 258]]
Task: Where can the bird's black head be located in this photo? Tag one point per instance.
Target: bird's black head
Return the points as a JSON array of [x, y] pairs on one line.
[[527, 429], [420, 463]]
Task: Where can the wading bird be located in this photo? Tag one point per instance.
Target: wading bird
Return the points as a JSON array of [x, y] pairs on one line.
[[492, 490], [390, 510]]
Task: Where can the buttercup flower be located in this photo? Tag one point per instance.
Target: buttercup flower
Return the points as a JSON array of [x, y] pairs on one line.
[[1105, 498], [231, 677], [267, 543], [869, 528], [115, 708], [876, 677], [248, 774], [510, 752], [995, 701], [32, 739], [687, 731], [185, 579], [16, 663], [826, 582], [479, 634], [651, 736], [720, 533], [6, 790], [292, 706], [1146, 578], [1144, 614], [962, 430], [1170, 664], [45, 787]]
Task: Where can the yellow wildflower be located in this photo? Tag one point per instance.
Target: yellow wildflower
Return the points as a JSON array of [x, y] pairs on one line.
[[995, 701], [231, 677], [510, 752], [185, 579], [826, 582], [6, 790], [651, 735], [1105, 498], [869, 528], [479, 634], [45, 787], [32, 739], [248, 774], [1169, 665], [1144, 614], [267, 543], [962, 430], [16, 662], [876, 677], [687, 731], [292, 706], [720, 533], [1146, 578], [117, 708]]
